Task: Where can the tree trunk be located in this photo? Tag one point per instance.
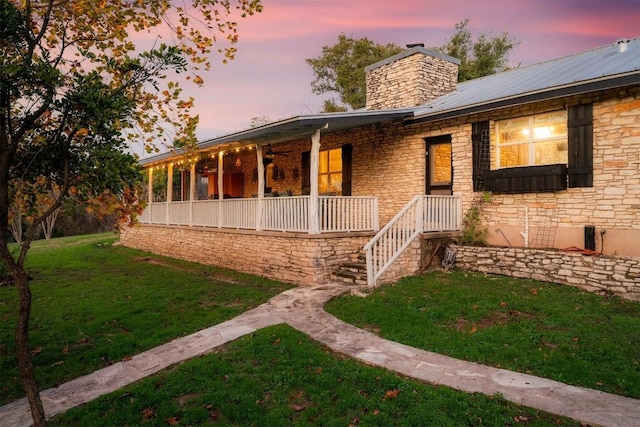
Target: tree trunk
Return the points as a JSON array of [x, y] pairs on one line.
[[24, 352]]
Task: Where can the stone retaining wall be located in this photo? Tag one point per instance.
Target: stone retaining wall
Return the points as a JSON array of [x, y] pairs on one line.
[[302, 259], [605, 274]]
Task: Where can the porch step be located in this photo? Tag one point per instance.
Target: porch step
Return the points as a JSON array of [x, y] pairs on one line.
[[352, 273]]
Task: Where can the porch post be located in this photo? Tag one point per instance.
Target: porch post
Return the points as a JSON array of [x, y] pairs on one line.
[[260, 186], [150, 194], [220, 187], [314, 220], [169, 189], [150, 190], [192, 191]]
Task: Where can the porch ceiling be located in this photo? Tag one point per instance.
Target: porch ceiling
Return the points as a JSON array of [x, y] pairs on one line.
[[293, 129]]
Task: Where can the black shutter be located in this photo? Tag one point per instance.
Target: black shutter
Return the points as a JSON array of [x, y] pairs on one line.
[[347, 150], [306, 173], [480, 142], [580, 137]]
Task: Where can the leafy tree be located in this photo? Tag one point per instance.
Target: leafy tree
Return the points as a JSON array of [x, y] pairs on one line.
[[75, 92], [482, 57], [340, 68]]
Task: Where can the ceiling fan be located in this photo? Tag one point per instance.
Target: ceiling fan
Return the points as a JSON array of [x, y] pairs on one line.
[[269, 153]]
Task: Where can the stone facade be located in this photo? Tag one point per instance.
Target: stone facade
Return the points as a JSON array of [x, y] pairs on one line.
[[302, 259], [410, 78], [619, 275]]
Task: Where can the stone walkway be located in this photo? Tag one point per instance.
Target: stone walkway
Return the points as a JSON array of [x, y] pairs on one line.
[[302, 308]]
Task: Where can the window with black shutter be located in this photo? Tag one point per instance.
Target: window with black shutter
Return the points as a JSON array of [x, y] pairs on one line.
[[306, 172], [481, 153], [580, 134], [347, 150]]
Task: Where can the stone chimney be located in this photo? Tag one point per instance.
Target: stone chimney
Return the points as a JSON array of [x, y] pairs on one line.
[[410, 78]]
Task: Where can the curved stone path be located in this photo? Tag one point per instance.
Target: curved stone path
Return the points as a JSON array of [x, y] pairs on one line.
[[302, 308]]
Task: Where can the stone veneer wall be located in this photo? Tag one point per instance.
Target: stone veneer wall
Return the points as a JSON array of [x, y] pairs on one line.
[[289, 257], [409, 81], [617, 275]]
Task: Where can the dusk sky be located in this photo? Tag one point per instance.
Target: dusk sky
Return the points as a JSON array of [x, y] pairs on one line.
[[269, 76]]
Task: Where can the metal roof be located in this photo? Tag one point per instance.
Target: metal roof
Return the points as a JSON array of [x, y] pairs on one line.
[[614, 65], [294, 128]]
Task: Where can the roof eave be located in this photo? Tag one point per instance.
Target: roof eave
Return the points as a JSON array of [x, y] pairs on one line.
[[579, 88]]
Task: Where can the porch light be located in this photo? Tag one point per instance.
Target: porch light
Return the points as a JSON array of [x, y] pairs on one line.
[[238, 162]]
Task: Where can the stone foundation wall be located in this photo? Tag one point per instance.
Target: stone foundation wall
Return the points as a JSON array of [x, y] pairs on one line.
[[617, 275], [302, 259]]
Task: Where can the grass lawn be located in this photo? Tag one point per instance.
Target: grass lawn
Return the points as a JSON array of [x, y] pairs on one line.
[[95, 304], [553, 331], [279, 377]]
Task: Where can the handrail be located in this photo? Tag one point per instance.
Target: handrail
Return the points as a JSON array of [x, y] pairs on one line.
[[421, 214]]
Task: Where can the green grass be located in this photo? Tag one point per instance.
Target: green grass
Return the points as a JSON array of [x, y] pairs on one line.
[[279, 377], [95, 304], [554, 331]]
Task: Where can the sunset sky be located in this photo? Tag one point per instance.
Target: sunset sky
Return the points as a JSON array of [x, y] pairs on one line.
[[269, 76]]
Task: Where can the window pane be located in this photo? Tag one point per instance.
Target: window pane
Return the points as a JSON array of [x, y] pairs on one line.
[[336, 183], [513, 130], [335, 160], [323, 162], [323, 183], [551, 152], [514, 155], [440, 167]]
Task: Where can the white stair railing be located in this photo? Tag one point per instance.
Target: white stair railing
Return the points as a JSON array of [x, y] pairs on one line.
[[421, 214]]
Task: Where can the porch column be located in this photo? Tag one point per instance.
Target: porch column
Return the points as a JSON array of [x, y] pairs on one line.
[[169, 189], [220, 187], [150, 189], [314, 220], [150, 194], [260, 186], [192, 191]]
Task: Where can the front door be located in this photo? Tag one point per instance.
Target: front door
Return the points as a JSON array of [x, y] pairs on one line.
[[439, 172]]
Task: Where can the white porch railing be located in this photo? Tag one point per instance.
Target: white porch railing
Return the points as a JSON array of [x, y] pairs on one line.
[[421, 214], [336, 214]]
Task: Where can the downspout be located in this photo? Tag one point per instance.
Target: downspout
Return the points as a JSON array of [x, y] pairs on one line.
[[525, 233]]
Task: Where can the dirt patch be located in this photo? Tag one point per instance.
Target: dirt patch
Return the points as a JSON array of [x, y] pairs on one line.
[[185, 399], [214, 277], [493, 319]]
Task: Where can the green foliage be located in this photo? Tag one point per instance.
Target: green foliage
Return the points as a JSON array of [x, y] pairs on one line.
[[95, 303], [340, 68], [473, 232], [279, 377], [482, 57], [545, 329]]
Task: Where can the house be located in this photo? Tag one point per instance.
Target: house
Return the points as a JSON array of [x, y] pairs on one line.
[[547, 156]]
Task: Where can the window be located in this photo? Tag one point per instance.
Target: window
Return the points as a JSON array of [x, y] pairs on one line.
[[532, 141], [330, 171]]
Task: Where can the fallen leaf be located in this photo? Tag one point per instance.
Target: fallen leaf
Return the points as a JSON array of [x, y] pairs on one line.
[[576, 339], [277, 341], [148, 414], [476, 306], [126, 358], [473, 329], [173, 421], [376, 412], [391, 394], [534, 291], [503, 304], [299, 408], [36, 350], [58, 363]]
